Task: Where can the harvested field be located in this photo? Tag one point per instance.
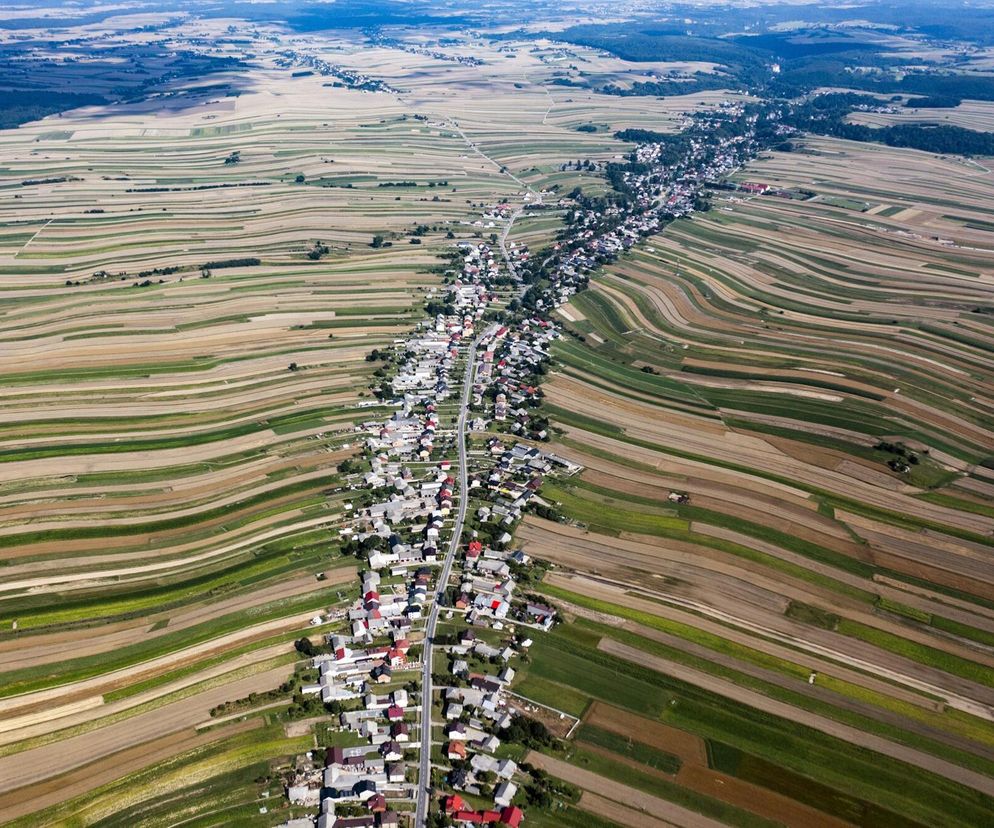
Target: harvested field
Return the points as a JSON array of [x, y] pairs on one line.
[[690, 749], [632, 798]]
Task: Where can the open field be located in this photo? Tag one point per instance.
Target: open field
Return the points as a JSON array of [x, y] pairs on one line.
[[977, 115], [774, 571], [191, 284], [767, 359]]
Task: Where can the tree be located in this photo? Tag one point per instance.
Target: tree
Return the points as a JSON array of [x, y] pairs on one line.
[[300, 179], [377, 241], [306, 647]]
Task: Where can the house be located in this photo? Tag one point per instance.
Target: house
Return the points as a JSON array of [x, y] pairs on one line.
[[456, 750], [484, 684], [353, 822], [504, 793], [377, 803], [512, 816], [489, 744], [395, 773], [303, 795], [400, 732], [391, 752], [382, 674], [506, 768], [364, 789], [453, 803], [456, 730], [395, 714], [389, 819], [457, 778], [334, 756], [476, 817]]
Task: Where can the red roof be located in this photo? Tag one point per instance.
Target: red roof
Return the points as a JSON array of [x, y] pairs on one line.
[[395, 712], [477, 817], [453, 803], [512, 816]]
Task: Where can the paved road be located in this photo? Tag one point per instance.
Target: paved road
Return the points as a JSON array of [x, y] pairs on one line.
[[424, 773], [502, 240]]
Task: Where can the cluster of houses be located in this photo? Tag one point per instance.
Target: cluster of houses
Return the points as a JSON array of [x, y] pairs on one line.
[[372, 667], [658, 188], [392, 43], [366, 669], [480, 261], [514, 360], [459, 812], [349, 78]]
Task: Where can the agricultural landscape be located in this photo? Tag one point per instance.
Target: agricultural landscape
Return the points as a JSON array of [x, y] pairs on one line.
[[452, 415]]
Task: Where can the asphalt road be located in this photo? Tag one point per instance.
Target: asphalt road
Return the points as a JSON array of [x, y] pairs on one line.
[[424, 773]]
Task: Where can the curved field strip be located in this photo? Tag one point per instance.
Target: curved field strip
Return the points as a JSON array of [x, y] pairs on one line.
[[814, 533], [183, 360]]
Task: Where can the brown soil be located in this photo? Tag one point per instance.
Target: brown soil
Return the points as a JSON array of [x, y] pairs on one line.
[[689, 748]]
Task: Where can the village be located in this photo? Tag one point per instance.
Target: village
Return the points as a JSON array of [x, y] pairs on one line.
[[421, 675], [423, 568]]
